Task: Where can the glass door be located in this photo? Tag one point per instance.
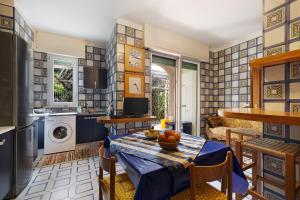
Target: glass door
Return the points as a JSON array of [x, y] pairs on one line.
[[163, 74], [189, 97]]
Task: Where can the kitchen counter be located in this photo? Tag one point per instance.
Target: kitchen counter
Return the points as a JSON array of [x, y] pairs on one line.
[[92, 114], [4, 129]]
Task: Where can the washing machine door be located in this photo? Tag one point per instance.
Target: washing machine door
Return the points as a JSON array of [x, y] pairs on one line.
[[60, 132]]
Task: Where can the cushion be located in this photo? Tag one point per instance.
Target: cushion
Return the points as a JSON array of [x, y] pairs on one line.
[[204, 191], [219, 133], [124, 188], [240, 123], [215, 121]]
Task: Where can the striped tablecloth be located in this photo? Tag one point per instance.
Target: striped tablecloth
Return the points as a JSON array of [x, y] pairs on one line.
[[176, 161]]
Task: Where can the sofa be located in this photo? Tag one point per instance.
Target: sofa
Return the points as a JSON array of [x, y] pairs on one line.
[[216, 126]]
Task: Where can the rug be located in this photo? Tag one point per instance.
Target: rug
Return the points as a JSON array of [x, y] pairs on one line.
[[82, 151]]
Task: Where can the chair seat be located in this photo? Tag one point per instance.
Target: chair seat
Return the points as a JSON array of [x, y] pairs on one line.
[[204, 191], [124, 189]]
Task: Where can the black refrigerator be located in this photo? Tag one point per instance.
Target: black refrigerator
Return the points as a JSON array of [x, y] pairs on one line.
[[16, 104]]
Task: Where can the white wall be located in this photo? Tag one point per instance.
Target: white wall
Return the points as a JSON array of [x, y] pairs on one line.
[[63, 45], [58, 44], [158, 38]]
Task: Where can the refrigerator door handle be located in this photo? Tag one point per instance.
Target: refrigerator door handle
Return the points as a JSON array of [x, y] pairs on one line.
[[2, 142]]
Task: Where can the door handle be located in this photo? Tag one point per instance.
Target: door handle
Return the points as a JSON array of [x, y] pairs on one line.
[[2, 142]]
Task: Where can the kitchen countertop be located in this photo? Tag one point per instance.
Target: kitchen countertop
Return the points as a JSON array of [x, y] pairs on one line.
[[37, 115], [4, 129]]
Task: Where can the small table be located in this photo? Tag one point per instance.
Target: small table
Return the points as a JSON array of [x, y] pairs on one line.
[[154, 181]]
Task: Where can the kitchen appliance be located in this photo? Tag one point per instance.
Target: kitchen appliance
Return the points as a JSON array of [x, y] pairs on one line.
[[60, 133], [16, 103]]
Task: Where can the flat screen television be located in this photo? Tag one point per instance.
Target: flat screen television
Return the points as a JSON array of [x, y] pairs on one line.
[[135, 106]]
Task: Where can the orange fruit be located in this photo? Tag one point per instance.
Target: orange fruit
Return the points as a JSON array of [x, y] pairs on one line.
[[171, 139], [169, 133], [162, 138], [177, 136]]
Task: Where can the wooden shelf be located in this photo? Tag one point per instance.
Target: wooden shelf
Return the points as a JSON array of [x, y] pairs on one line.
[[109, 120], [291, 56], [253, 114]]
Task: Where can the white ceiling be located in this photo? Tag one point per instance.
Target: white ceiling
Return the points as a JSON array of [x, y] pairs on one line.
[[214, 22]]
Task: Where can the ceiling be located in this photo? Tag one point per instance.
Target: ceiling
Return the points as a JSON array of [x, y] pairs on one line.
[[213, 22]]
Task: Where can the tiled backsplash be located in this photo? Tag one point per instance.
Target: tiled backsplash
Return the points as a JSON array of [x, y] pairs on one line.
[[87, 97]]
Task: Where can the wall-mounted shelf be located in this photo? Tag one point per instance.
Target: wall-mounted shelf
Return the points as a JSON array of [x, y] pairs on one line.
[[257, 66], [290, 118], [291, 56]]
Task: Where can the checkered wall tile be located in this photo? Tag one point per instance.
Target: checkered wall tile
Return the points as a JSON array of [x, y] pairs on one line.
[[281, 83], [281, 26], [87, 97], [115, 61], [231, 73], [40, 79], [208, 93]]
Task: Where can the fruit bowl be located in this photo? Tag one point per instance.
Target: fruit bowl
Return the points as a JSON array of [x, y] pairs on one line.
[[168, 146], [151, 134], [169, 140]]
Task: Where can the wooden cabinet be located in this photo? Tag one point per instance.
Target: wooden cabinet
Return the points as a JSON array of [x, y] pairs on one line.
[[88, 130], [6, 164], [95, 78]]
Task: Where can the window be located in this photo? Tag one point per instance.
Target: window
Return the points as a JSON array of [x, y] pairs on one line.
[[62, 81]]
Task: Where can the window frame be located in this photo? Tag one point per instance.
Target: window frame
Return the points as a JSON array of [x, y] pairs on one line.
[[74, 62]]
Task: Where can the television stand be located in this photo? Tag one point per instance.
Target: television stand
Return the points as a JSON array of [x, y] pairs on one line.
[[124, 119]]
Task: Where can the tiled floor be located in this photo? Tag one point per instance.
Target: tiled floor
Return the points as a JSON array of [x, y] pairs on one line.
[[70, 180]]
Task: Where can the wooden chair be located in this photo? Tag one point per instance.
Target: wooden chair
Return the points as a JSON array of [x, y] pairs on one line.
[[200, 175], [114, 187], [288, 152]]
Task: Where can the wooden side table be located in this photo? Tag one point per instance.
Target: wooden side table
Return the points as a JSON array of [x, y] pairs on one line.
[[289, 152]]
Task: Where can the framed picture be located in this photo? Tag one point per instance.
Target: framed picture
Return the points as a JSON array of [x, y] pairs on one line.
[[134, 85], [134, 59]]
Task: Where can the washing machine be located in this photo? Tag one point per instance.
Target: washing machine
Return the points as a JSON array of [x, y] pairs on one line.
[[60, 133]]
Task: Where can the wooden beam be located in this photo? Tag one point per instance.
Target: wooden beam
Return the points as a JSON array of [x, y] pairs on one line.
[[291, 56], [290, 118]]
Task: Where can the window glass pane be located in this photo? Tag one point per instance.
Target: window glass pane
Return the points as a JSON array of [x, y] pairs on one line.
[[63, 81], [163, 61]]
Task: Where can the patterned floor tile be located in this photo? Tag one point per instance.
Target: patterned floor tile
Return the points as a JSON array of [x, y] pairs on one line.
[[72, 180]]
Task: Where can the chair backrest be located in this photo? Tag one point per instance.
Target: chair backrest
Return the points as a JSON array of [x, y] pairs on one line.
[[106, 163], [203, 174]]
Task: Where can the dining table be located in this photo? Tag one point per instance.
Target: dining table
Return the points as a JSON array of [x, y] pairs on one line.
[[156, 178]]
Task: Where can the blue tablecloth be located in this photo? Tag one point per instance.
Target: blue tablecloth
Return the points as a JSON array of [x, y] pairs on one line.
[[155, 182]]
